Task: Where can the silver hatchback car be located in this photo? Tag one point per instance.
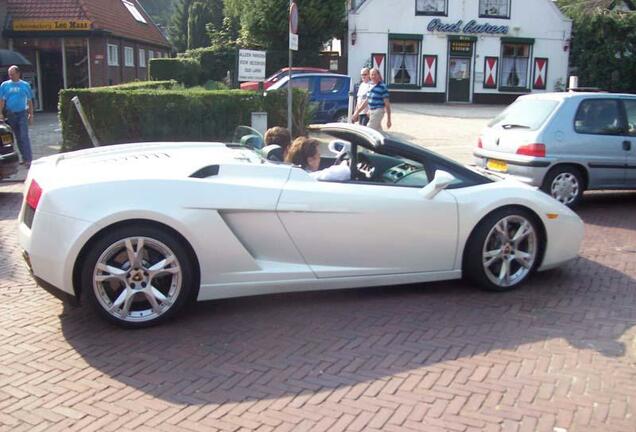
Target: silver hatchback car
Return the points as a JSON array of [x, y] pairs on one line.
[[564, 143]]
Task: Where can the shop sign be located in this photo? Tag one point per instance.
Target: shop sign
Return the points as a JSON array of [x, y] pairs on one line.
[[51, 25], [471, 27], [461, 47]]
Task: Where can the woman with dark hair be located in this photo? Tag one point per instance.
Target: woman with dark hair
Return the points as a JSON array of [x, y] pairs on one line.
[[304, 152]]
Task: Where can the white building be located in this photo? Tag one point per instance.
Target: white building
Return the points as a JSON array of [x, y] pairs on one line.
[[481, 51]]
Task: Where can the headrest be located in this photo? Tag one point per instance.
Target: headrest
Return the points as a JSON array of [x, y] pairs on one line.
[[273, 152], [252, 141]]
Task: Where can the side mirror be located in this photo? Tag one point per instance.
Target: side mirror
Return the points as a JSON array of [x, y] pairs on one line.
[[440, 182], [339, 147]]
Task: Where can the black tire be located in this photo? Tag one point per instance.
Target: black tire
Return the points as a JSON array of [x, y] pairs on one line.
[[565, 184], [171, 288], [341, 117], [475, 255]]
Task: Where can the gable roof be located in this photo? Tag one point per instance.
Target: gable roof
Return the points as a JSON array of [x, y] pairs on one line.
[[110, 16]]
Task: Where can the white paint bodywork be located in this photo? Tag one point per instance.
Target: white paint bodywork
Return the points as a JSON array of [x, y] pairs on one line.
[[260, 227], [540, 20]]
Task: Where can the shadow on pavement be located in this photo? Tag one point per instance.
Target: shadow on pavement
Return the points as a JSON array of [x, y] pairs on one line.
[[598, 208], [283, 345]]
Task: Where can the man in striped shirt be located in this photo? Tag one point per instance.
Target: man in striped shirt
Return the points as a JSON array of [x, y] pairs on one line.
[[378, 102]]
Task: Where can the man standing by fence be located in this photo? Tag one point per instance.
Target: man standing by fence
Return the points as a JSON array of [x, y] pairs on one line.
[[17, 98]]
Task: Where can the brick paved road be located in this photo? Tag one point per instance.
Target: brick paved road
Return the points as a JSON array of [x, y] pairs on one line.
[[559, 354]]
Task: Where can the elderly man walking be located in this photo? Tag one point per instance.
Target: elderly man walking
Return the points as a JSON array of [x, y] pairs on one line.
[[16, 96], [378, 103]]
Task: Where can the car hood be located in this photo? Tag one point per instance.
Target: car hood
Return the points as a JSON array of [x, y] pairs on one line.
[[137, 161]]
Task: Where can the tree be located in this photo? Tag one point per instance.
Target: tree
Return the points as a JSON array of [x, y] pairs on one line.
[[610, 65], [199, 15], [188, 26], [264, 23], [178, 30]]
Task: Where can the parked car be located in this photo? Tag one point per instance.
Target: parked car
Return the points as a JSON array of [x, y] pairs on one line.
[[330, 92], [8, 156], [273, 79], [564, 143], [142, 229]]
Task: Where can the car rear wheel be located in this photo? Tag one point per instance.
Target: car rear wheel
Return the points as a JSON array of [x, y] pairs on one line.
[[137, 276], [341, 117], [503, 250], [564, 184]]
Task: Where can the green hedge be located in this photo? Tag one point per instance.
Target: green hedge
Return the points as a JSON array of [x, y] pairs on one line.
[[121, 115], [146, 85], [184, 70], [214, 62]]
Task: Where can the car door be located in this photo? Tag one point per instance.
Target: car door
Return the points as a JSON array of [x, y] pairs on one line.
[[332, 93], [598, 143], [361, 229], [629, 142]]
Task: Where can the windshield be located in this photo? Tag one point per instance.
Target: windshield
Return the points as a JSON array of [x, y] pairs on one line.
[[525, 114]]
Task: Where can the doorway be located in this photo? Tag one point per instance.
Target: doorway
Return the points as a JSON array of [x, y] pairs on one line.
[[459, 79], [52, 78]]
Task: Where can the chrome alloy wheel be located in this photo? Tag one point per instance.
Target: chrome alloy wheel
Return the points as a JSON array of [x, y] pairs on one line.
[[510, 251], [565, 188], [137, 279]]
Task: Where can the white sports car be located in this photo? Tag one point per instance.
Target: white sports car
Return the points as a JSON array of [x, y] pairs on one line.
[[139, 230]]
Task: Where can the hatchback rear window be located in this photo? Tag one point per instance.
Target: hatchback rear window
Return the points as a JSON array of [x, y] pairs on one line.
[[525, 114]]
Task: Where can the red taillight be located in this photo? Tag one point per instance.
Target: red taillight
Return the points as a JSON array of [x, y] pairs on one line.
[[33, 195], [536, 150], [479, 143]]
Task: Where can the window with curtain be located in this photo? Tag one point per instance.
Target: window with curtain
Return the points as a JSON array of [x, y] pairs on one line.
[[515, 59], [430, 7], [403, 57], [494, 8]]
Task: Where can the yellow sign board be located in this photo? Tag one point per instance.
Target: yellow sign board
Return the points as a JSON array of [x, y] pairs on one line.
[[51, 25]]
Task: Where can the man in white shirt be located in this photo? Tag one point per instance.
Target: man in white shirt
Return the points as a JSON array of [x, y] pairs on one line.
[[363, 91]]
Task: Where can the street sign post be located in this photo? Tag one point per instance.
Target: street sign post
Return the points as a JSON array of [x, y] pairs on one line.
[[293, 46]]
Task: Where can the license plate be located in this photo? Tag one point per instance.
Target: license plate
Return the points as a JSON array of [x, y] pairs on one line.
[[7, 139], [497, 165]]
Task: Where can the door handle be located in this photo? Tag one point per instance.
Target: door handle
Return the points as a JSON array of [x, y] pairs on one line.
[[627, 145]]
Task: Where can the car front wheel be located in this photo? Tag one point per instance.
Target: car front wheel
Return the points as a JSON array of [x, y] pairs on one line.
[[565, 185], [137, 276], [503, 250]]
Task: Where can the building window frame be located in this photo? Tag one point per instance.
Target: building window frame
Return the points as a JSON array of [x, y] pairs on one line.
[[142, 58], [112, 54], [129, 56], [514, 44], [485, 14], [419, 11], [415, 68]]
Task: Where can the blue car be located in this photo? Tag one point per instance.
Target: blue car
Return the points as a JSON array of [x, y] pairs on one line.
[[329, 91]]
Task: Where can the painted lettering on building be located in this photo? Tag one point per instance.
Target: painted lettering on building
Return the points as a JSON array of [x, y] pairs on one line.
[[471, 27], [51, 25]]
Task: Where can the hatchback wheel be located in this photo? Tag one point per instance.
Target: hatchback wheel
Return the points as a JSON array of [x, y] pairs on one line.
[[137, 276], [503, 250], [565, 185]]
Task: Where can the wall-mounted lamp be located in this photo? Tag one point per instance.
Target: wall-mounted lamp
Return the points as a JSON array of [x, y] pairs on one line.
[[354, 36], [566, 45]]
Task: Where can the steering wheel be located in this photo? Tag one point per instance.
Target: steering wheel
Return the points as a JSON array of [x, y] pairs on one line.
[[365, 166], [342, 156]]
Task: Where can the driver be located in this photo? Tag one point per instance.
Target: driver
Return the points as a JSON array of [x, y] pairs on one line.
[[304, 152]]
